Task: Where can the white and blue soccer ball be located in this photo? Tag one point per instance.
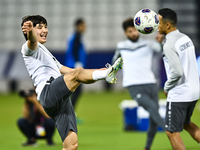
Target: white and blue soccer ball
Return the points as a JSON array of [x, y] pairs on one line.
[[146, 21]]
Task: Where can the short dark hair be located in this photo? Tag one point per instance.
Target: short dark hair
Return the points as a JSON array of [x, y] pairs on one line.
[[127, 23], [168, 15], [78, 22], [35, 19]]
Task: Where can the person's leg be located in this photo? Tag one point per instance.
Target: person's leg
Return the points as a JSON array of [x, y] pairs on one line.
[[194, 131], [140, 94], [71, 141], [189, 126], [151, 133], [49, 126], [152, 91], [176, 113], [87, 76], [66, 124], [28, 129], [154, 119], [57, 104], [147, 103], [175, 140]]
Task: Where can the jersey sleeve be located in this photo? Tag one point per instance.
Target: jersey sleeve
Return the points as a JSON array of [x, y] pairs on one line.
[[27, 51], [116, 54], [154, 46], [176, 71]]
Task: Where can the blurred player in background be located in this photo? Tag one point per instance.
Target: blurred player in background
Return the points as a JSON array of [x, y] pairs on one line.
[[182, 85], [54, 82], [76, 54], [138, 76], [35, 123]]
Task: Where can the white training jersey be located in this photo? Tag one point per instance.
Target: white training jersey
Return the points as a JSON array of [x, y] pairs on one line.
[[41, 65], [137, 58], [179, 58]]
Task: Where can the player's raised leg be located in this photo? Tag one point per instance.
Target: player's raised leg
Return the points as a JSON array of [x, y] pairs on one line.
[[79, 75]]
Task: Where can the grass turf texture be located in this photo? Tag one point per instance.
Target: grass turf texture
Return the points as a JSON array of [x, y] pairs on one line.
[[101, 129]]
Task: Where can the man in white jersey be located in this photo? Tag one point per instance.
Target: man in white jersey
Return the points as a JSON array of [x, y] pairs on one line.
[[138, 76], [182, 85], [53, 89]]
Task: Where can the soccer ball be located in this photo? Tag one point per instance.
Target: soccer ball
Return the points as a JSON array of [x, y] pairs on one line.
[[146, 21]]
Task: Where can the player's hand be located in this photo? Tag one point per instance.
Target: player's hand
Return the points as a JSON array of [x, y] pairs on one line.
[[32, 98], [27, 27], [159, 37], [165, 93]]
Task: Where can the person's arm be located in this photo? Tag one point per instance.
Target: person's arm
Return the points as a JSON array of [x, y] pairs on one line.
[[160, 37], [28, 29], [26, 110], [116, 55], [156, 45], [176, 71], [33, 99]]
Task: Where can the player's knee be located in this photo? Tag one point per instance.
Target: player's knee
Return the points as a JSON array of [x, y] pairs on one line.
[[77, 72], [22, 122], [152, 109], [79, 68], [73, 75], [71, 80], [172, 135]]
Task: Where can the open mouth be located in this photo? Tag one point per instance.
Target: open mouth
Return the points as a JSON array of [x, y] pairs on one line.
[[43, 36]]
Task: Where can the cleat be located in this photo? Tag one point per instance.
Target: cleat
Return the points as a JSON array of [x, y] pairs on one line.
[[112, 70]]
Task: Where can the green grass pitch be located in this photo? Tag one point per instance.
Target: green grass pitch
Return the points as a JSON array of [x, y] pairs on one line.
[[101, 129]]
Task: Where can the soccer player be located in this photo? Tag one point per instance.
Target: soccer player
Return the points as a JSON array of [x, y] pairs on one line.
[[53, 89], [138, 76], [76, 54], [182, 85]]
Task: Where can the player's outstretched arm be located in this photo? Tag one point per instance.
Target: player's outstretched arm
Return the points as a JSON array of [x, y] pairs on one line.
[[28, 29]]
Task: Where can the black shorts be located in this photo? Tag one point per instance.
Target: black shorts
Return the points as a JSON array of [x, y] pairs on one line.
[[178, 114], [55, 99]]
